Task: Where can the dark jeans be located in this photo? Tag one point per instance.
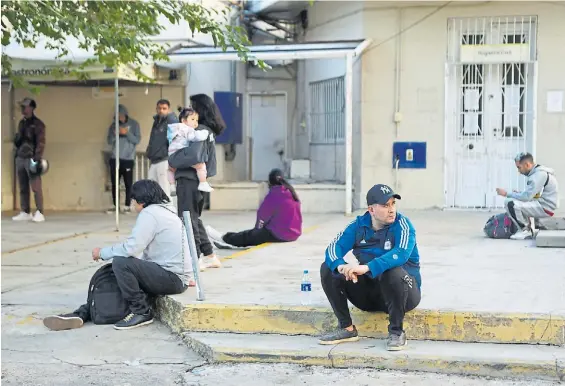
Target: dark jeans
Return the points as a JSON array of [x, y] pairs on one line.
[[138, 280], [250, 237], [191, 199], [126, 172], [394, 292], [24, 179]]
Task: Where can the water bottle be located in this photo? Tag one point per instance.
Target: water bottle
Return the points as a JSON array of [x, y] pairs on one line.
[[305, 289]]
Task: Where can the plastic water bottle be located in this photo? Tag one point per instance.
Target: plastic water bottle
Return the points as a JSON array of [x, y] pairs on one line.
[[306, 289]]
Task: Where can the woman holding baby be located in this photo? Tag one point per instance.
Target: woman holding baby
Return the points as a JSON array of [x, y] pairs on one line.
[[193, 162]]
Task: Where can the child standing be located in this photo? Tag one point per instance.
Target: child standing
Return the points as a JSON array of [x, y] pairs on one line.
[[179, 136]]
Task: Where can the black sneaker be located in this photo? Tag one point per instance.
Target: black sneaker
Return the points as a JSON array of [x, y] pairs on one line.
[[340, 336], [63, 322], [133, 321], [396, 342]]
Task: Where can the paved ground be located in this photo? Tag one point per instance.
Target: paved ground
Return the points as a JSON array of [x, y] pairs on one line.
[[284, 374], [461, 270]]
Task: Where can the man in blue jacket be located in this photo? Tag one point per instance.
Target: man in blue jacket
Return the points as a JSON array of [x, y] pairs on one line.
[[387, 278]]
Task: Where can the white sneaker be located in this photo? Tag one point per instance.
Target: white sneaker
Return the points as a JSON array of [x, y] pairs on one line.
[[38, 217], [205, 187], [523, 234], [23, 216], [202, 264], [211, 261], [213, 233]]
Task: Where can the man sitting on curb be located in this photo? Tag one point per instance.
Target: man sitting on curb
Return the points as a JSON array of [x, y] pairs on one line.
[[154, 260], [388, 277], [539, 200]]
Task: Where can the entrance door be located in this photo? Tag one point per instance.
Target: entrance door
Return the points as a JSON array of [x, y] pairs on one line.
[[268, 134], [490, 108]]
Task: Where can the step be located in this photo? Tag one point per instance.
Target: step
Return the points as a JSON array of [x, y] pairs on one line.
[[481, 359], [551, 239], [420, 324]]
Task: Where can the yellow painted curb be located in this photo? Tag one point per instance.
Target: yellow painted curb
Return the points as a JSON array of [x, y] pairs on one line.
[[419, 324], [475, 361]]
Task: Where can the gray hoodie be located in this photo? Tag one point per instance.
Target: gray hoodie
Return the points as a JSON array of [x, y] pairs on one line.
[[542, 186], [127, 142], [158, 236]]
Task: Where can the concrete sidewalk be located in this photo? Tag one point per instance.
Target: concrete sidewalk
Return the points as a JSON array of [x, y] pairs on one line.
[[474, 289]]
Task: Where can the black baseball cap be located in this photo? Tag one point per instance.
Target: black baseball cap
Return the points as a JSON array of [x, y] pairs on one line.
[[28, 102], [380, 194]]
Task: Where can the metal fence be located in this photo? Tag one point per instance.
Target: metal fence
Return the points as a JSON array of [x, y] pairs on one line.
[[327, 116]]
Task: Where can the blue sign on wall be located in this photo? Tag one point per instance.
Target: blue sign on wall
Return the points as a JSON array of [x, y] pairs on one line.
[[410, 155]]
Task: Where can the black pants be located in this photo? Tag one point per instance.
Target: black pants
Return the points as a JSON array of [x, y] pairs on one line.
[[126, 172], [25, 180], [394, 292], [191, 199], [138, 280], [250, 237]]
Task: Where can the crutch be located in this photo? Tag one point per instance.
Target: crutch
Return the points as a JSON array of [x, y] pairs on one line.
[[194, 255]]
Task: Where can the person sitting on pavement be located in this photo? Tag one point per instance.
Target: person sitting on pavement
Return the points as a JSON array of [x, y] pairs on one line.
[[154, 260], [540, 198], [387, 278], [279, 218]]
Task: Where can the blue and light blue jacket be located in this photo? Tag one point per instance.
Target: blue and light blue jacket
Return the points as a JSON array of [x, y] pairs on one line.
[[390, 247]]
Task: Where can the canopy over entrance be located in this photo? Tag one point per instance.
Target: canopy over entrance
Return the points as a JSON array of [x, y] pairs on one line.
[[183, 54]]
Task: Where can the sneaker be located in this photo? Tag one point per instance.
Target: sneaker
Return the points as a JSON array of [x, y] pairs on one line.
[[111, 210], [23, 216], [211, 261], [205, 187], [201, 264], [341, 335], [38, 217], [63, 322], [133, 321], [126, 210], [523, 234], [396, 342]]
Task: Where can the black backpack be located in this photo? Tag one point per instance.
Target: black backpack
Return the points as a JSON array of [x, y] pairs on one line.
[[105, 301]]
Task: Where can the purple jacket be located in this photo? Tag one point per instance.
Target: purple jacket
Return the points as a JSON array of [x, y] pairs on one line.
[[280, 214]]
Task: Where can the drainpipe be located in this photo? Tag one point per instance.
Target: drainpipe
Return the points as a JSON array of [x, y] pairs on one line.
[[397, 114], [14, 126]]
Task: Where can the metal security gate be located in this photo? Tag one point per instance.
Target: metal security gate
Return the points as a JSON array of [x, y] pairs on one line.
[[490, 102], [327, 129]]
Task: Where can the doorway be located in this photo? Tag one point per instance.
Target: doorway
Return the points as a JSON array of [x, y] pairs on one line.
[[268, 123], [490, 107]]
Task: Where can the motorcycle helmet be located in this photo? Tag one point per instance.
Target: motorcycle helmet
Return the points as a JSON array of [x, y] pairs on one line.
[[38, 168]]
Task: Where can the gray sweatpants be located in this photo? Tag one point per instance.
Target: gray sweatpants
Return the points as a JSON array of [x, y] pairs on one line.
[[521, 211]]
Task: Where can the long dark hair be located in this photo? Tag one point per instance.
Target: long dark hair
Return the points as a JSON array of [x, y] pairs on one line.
[[276, 178], [148, 192], [208, 113]]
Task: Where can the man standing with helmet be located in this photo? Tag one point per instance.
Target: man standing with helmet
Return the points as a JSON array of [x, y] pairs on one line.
[[30, 144]]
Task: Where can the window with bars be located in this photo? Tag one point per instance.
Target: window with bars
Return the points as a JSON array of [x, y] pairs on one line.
[[513, 92], [472, 87], [327, 116]]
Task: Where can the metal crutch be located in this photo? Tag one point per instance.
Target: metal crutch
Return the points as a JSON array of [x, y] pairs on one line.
[[194, 255]]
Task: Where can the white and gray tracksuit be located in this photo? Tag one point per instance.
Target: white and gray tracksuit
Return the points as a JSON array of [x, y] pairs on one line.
[[539, 199]]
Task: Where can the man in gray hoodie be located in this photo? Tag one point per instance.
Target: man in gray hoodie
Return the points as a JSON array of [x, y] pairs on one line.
[[158, 148], [539, 199], [130, 136]]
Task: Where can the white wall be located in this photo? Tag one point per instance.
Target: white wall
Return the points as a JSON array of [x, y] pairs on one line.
[[335, 20], [422, 68]]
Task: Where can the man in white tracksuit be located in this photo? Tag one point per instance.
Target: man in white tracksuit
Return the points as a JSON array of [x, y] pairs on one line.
[[539, 199]]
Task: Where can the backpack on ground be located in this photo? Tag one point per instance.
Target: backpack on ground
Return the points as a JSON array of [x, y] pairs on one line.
[[105, 301], [500, 226]]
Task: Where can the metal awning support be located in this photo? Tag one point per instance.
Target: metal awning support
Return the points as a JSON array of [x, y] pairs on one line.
[[349, 49], [117, 147]]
